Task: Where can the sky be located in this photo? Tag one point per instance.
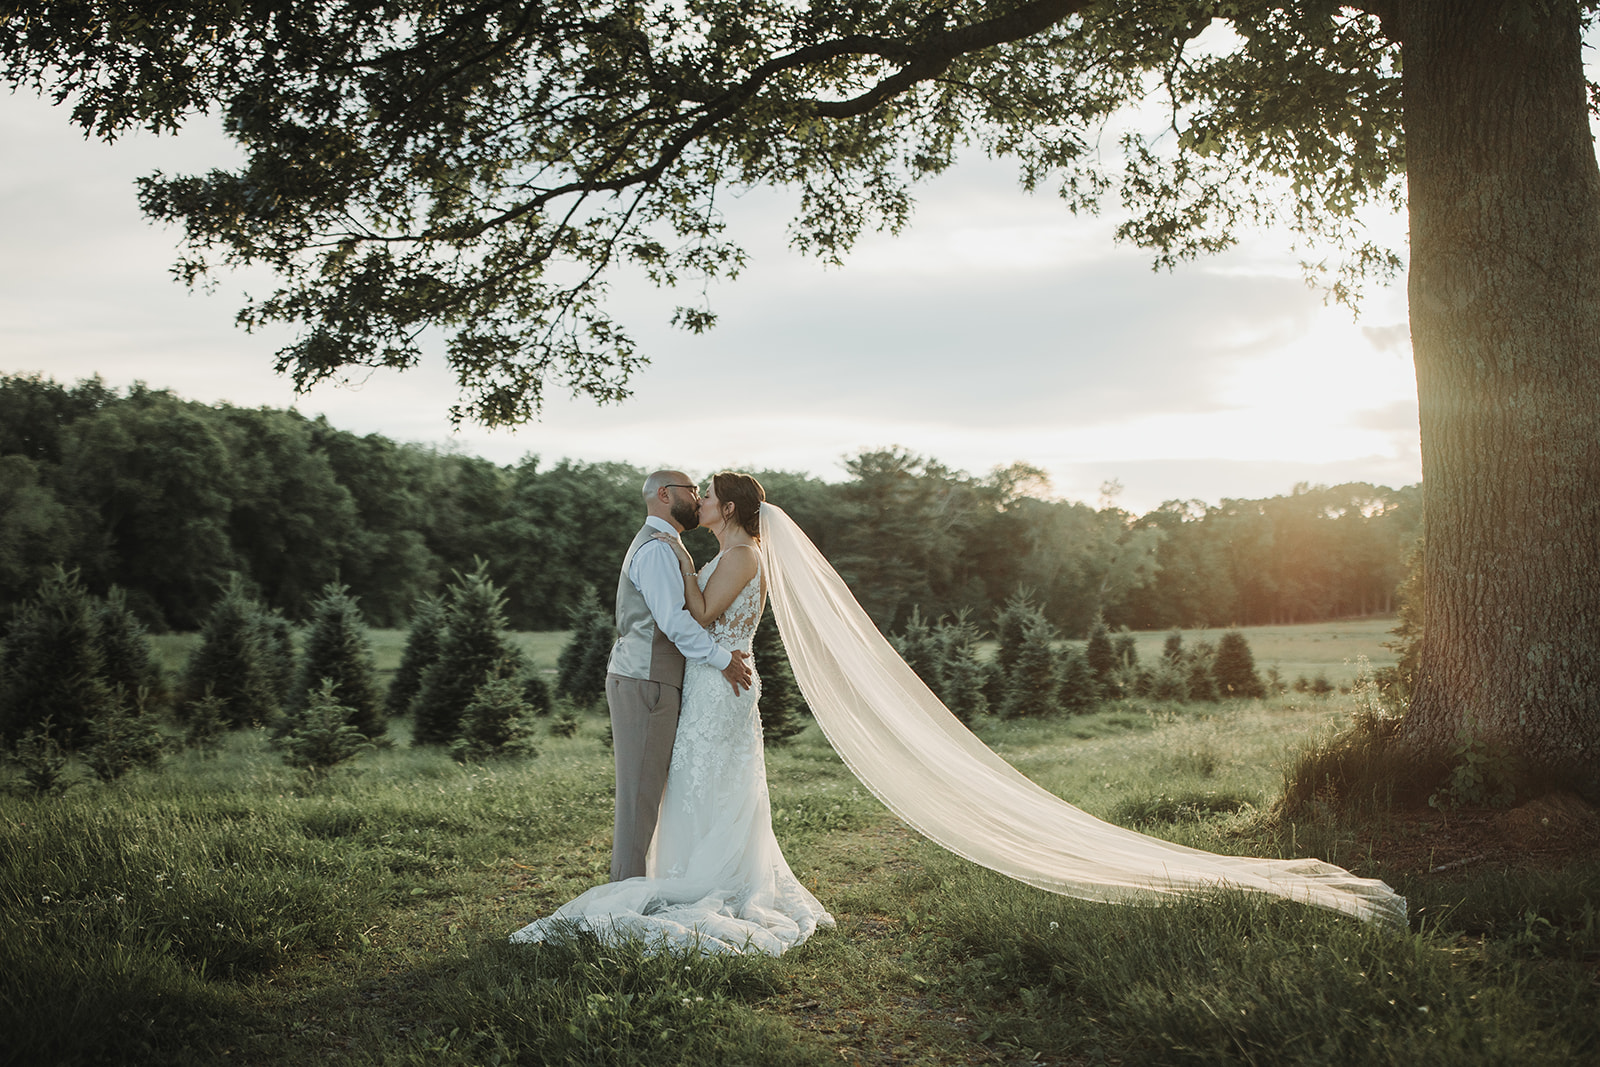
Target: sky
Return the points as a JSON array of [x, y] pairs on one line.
[[996, 328]]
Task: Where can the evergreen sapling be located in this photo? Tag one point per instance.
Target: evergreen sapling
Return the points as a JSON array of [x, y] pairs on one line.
[[231, 662], [472, 651], [337, 650], [423, 643], [497, 722], [53, 665]]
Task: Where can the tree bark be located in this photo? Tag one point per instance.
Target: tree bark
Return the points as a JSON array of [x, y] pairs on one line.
[[1504, 197]]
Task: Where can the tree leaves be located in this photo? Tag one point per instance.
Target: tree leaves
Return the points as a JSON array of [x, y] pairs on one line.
[[475, 171]]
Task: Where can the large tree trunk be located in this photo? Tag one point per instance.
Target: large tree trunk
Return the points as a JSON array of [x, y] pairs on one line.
[[1504, 198]]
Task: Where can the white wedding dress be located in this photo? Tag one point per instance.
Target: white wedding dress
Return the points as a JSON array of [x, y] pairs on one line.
[[715, 881]]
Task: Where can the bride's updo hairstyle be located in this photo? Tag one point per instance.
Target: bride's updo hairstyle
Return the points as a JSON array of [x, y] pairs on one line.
[[745, 494]]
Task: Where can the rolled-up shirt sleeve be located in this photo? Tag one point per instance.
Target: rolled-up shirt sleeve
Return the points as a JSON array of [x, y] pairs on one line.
[[655, 571]]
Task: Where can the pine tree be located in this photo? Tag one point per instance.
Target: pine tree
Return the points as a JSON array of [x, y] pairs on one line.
[[919, 647], [1202, 684], [1009, 624], [1101, 655], [121, 740], [1079, 691], [496, 722], [1169, 679], [1033, 684], [961, 674], [232, 662], [1125, 648], [780, 701], [1172, 649], [337, 650], [1235, 668], [472, 651], [422, 649], [581, 669], [536, 691], [130, 662], [320, 736], [278, 658], [53, 666]]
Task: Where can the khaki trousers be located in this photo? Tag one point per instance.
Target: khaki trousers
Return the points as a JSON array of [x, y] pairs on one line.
[[644, 721]]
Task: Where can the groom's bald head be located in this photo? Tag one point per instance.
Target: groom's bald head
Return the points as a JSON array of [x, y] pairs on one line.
[[672, 496], [660, 480]]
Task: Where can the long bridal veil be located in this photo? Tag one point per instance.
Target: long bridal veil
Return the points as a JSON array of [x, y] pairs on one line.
[[931, 771]]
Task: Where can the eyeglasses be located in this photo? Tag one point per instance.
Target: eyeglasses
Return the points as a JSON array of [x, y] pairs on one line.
[[680, 485]]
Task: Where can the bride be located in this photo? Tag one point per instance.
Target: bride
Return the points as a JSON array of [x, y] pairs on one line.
[[716, 877]]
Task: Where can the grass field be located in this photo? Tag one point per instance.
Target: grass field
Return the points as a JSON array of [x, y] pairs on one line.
[[228, 910]]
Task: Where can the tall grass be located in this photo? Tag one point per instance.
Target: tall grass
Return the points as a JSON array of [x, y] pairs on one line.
[[230, 909]]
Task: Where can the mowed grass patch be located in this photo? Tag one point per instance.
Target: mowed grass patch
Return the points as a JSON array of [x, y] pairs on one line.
[[365, 922]]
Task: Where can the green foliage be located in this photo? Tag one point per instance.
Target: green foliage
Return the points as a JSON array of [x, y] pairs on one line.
[[498, 722], [448, 209], [52, 666], [961, 685], [40, 758], [1079, 690], [1168, 679], [206, 722], [782, 708], [1125, 649], [337, 650], [279, 660], [423, 643], [472, 651], [320, 735], [581, 670], [1200, 662], [1482, 772], [1234, 668], [390, 519], [130, 663], [232, 661], [1101, 654], [179, 903], [1399, 681], [120, 741], [919, 646], [1362, 769], [1033, 684], [1010, 631], [536, 692]]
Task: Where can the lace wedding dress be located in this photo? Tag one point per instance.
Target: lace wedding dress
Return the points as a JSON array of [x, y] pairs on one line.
[[715, 878]]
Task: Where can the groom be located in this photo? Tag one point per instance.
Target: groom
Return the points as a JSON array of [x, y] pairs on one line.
[[644, 678]]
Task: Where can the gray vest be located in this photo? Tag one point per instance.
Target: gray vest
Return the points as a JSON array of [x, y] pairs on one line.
[[642, 650]]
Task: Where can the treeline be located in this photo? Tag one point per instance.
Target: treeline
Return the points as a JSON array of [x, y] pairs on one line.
[[169, 500]]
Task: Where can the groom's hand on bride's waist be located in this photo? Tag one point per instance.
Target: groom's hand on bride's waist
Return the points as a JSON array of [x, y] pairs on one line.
[[738, 672]]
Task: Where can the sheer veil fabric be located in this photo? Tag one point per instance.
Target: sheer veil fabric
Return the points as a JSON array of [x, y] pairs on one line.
[[938, 777]]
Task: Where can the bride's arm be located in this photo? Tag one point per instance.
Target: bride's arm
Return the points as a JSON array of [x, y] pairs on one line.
[[693, 598], [738, 566]]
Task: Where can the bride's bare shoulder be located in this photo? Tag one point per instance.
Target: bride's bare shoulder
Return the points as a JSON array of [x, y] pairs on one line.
[[742, 562]]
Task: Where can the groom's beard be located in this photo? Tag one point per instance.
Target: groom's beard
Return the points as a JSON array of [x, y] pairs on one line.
[[687, 515]]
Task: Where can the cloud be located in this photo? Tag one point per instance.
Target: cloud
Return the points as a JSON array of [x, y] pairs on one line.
[[996, 328]]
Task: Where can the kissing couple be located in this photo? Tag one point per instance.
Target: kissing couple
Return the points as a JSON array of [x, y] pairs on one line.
[[695, 864]]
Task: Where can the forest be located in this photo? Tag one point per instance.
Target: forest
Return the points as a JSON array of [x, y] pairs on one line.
[[168, 499]]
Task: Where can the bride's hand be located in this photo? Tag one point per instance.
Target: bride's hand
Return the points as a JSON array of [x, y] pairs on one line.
[[685, 561]]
